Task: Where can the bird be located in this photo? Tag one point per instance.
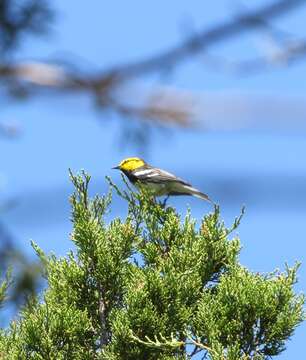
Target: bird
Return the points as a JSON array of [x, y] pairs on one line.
[[159, 182]]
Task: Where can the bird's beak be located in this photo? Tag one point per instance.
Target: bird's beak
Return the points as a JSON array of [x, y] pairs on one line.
[[116, 167]]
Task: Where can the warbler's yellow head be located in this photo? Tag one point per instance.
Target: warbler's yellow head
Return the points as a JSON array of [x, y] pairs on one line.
[[130, 164]]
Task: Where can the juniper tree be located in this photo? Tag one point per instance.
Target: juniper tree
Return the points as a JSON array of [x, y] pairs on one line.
[[152, 286]]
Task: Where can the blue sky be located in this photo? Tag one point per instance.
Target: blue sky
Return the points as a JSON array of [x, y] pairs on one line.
[[265, 171]]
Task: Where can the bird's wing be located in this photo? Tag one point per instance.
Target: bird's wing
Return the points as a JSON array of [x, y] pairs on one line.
[[156, 175], [159, 176]]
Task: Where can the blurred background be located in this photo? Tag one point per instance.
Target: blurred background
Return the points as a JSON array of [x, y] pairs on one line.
[[212, 91]]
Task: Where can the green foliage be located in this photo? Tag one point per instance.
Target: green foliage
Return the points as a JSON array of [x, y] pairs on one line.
[[255, 313], [152, 286], [3, 287]]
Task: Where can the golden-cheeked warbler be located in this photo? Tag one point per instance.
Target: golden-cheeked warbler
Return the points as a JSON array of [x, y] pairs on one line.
[[158, 182]]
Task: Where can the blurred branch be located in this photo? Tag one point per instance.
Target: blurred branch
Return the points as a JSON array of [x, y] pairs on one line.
[[18, 17], [25, 80], [285, 56], [199, 42], [9, 130], [167, 104], [27, 273], [6, 245], [281, 48]]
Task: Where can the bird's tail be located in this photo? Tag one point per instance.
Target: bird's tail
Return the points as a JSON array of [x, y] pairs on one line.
[[195, 192]]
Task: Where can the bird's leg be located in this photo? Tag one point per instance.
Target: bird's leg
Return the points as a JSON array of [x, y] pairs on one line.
[[164, 203], [153, 199]]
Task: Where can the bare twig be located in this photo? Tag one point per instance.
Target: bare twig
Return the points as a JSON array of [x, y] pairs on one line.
[[103, 318]]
